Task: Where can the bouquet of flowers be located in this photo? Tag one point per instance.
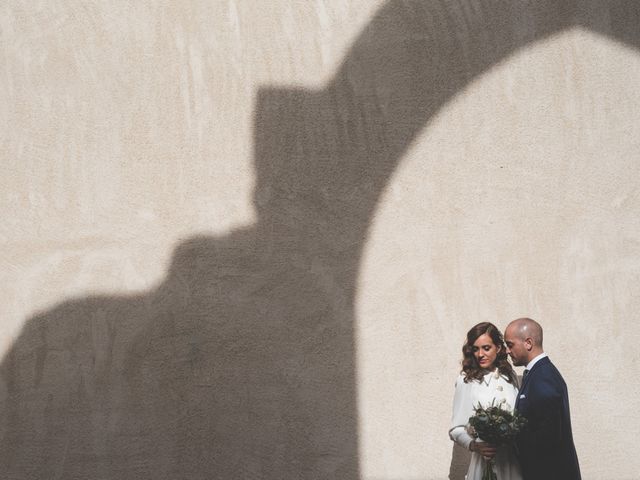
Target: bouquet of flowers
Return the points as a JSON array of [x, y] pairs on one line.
[[497, 426]]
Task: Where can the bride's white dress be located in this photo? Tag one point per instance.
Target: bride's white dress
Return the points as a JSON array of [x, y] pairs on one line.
[[493, 387]]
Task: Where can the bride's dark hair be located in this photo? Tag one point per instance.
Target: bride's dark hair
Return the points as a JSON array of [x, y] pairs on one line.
[[470, 368]]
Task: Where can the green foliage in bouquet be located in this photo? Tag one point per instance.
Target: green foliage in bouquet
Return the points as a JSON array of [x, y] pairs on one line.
[[496, 425]]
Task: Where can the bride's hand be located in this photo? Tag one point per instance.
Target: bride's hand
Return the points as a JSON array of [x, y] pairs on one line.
[[485, 449]]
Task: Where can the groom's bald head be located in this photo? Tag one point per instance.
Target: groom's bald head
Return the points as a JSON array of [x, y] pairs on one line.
[[523, 338], [527, 328]]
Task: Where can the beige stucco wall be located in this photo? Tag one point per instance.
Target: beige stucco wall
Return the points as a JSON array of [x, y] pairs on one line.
[[245, 239]]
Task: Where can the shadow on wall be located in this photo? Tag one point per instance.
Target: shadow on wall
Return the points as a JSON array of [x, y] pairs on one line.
[[460, 459], [241, 363]]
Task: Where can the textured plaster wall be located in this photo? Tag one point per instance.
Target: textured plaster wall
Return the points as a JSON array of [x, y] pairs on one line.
[[245, 239]]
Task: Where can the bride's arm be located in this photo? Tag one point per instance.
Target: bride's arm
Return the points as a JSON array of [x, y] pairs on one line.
[[462, 410], [463, 402]]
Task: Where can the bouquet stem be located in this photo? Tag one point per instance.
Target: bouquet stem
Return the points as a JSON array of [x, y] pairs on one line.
[[488, 473]]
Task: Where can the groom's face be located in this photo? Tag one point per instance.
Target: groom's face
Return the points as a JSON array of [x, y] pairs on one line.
[[516, 348]]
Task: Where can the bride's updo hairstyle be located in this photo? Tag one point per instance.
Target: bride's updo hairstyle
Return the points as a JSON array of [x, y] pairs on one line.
[[470, 368]]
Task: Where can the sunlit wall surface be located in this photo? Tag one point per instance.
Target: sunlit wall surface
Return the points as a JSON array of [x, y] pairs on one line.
[[520, 198], [245, 239]]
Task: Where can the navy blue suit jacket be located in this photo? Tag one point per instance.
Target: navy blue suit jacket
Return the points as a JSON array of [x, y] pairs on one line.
[[545, 447]]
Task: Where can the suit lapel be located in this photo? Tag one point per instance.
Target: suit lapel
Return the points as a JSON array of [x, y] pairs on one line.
[[525, 383]]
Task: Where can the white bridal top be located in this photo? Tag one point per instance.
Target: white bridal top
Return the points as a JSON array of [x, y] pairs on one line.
[[492, 388]]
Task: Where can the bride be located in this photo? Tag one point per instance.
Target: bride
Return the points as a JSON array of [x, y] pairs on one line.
[[486, 376]]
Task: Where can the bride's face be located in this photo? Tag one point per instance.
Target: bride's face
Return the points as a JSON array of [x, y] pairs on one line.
[[485, 352]]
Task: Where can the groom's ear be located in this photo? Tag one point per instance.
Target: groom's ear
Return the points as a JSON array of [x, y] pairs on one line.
[[528, 343]]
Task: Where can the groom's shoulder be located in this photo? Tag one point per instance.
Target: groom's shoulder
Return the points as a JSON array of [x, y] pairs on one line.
[[546, 366], [543, 365], [548, 375]]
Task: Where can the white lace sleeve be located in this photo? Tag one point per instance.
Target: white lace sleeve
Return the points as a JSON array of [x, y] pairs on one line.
[[462, 410]]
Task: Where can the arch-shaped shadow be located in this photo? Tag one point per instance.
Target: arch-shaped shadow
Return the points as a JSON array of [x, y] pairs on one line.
[[241, 363]]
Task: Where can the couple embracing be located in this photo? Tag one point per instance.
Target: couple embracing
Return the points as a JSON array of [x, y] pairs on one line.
[[544, 449]]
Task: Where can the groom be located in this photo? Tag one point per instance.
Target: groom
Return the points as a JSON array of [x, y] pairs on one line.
[[546, 449]]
